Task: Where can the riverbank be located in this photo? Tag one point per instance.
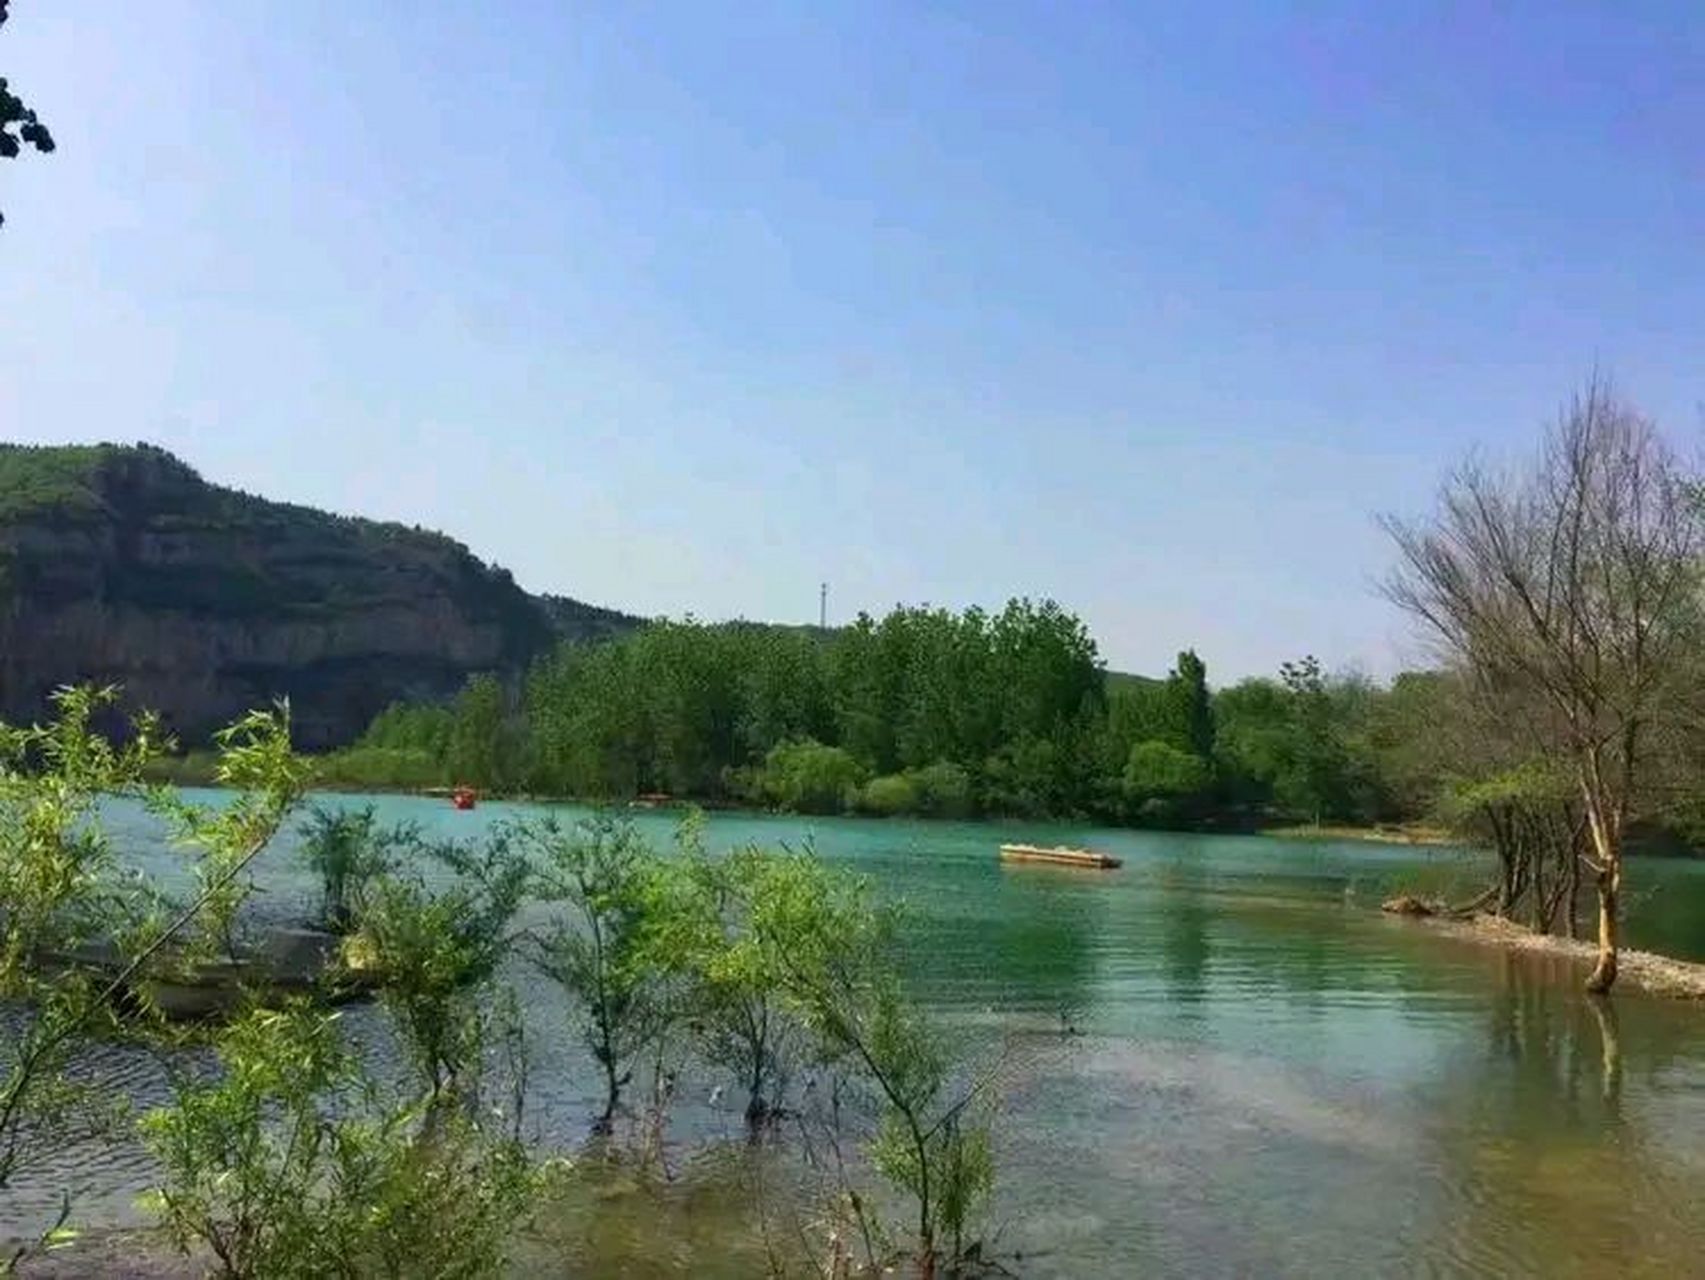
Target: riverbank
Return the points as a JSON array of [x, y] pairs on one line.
[[1395, 833], [198, 771], [1644, 971]]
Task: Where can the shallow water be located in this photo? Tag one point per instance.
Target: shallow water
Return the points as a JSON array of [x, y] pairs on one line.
[[1270, 1078]]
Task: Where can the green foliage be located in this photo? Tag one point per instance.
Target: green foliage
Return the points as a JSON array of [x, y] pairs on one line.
[[942, 790], [257, 764], [402, 727], [1159, 778], [59, 889], [364, 767], [1159, 769], [288, 1165], [56, 865], [347, 850], [63, 890], [1313, 747], [232, 1183], [834, 956], [434, 954], [1192, 706], [693, 709], [604, 954], [808, 777], [19, 126], [1029, 778], [889, 795], [479, 751], [734, 975], [49, 479]]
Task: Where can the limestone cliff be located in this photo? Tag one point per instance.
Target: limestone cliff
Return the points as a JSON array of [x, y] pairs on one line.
[[121, 565]]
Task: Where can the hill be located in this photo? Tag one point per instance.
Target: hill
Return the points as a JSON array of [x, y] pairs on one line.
[[121, 564]]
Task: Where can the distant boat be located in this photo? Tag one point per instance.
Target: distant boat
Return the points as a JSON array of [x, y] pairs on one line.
[[1059, 856], [463, 797]]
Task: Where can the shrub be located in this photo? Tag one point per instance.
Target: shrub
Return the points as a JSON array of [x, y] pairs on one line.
[[1158, 770], [347, 850], [808, 777], [889, 795], [944, 790], [367, 766], [435, 953], [285, 1165], [603, 955]]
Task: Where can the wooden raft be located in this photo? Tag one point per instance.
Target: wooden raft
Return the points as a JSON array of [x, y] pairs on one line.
[[1059, 856]]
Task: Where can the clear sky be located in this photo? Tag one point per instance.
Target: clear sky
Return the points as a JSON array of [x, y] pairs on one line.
[[687, 307]]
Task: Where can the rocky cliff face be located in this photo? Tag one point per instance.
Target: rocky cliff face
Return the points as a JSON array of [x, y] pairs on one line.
[[121, 565]]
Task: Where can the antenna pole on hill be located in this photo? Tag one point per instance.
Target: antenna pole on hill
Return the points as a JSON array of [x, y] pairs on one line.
[[823, 607]]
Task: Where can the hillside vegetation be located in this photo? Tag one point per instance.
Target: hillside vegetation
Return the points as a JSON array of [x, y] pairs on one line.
[[121, 564]]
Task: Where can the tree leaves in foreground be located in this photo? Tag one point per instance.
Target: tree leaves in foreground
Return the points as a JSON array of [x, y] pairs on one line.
[[20, 128], [81, 940]]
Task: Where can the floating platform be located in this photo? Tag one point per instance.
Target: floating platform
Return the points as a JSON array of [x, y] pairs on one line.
[[1059, 856]]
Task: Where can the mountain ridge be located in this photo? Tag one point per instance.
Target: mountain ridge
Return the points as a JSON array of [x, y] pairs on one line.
[[121, 564]]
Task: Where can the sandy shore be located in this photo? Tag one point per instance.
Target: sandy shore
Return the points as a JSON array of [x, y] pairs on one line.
[[1637, 970]]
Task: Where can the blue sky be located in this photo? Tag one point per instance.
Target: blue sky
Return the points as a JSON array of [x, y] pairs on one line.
[[687, 307]]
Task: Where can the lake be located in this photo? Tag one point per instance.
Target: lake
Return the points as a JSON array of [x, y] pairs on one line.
[[1272, 1078]]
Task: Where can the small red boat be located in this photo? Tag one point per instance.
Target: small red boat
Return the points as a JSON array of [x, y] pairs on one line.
[[463, 797]]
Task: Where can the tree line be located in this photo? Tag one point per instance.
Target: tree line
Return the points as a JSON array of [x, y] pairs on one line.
[[923, 711], [1560, 722]]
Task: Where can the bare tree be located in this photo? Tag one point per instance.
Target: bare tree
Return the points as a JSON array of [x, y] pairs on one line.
[[1571, 585]]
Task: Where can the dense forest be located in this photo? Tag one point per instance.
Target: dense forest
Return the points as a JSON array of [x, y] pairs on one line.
[[922, 711]]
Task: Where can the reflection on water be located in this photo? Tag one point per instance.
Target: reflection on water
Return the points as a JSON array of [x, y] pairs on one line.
[[1271, 1078]]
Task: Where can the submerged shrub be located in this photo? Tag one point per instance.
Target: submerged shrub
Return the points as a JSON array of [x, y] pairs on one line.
[[347, 850], [287, 1165]]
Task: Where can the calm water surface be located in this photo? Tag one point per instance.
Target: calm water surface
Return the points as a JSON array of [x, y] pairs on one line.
[[1271, 1078]]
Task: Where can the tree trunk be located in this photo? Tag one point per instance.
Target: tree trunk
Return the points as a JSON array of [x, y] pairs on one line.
[[1609, 889], [1606, 831], [1574, 899]]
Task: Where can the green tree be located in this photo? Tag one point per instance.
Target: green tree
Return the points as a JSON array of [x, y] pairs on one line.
[[347, 850], [19, 125], [434, 953], [834, 953], [478, 747], [1159, 777], [808, 777], [739, 1018], [60, 891], [604, 954], [1311, 781], [1193, 709], [287, 1164]]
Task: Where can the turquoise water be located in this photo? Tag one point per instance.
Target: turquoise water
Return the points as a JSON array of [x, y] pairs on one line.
[[1271, 1078]]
